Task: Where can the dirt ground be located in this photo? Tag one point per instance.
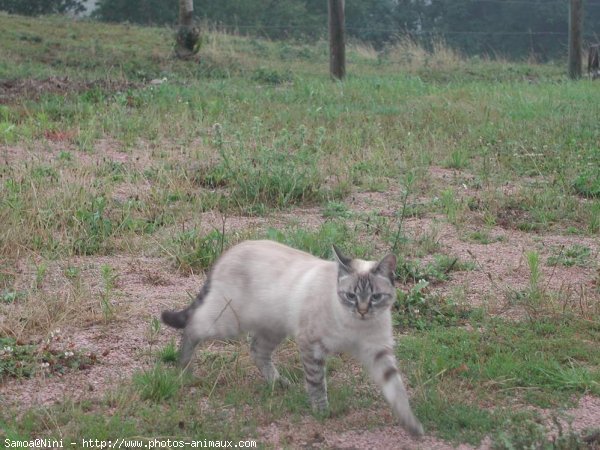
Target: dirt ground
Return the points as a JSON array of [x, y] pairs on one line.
[[147, 285]]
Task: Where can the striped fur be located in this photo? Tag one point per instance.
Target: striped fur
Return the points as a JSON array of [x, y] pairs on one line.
[[271, 291]]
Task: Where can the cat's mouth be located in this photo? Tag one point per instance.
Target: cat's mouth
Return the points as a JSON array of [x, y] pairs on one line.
[[363, 315]]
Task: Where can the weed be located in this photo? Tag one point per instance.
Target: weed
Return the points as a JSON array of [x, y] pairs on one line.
[[319, 242], [109, 278], [91, 227], [410, 179], [335, 209], [158, 383], [594, 221], [421, 310], [531, 433], [435, 271], [458, 159], [575, 255], [9, 296], [484, 237], [169, 354], [153, 329], [587, 183], [452, 206], [272, 76], [18, 360], [271, 177], [195, 252], [40, 275]]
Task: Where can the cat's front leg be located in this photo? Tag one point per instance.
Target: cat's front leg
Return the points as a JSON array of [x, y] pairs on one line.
[[381, 363], [313, 361]]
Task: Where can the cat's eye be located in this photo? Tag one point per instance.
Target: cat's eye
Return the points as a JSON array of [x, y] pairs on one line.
[[376, 297], [351, 296]]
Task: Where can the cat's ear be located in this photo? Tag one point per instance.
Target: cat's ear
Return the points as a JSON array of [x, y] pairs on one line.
[[386, 267], [344, 267]]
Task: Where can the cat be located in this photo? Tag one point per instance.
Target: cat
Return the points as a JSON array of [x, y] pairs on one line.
[[272, 291]]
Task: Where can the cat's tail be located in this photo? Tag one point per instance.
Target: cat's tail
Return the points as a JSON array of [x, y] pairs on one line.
[[179, 319], [176, 319]]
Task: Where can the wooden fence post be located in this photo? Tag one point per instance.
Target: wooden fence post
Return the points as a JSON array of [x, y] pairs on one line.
[[575, 33], [337, 45]]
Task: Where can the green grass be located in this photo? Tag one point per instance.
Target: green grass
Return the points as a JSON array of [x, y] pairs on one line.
[[247, 142], [499, 363], [574, 255], [319, 242]]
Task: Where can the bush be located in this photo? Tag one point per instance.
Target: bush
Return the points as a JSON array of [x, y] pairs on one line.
[[146, 12], [38, 7]]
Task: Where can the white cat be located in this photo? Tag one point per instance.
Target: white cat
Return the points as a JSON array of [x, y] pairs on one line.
[[272, 291]]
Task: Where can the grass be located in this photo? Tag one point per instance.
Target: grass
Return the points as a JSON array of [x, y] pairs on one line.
[[252, 140], [499, 363]]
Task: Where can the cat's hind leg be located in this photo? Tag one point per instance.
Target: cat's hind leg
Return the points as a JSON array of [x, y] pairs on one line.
[[213, 320], [261, 350]]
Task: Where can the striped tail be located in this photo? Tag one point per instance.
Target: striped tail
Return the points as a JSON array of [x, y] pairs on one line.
[[175, 319], [179, 319]]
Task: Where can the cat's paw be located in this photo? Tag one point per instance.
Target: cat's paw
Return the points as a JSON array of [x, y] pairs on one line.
[[320, 408], [283, 382], [413, 426]]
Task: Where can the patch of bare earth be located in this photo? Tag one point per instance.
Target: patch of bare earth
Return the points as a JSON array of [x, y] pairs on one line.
[[121, 345]]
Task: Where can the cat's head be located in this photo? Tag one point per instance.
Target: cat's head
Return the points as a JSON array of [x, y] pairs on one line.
[[365, 288]]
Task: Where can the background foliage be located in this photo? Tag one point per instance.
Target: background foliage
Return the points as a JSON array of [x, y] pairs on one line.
[[535, 28], [37, 7], [531, 28]]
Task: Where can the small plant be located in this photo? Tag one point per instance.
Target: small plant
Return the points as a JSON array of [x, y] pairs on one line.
[[9, 296], [535, 274], [157, 384], [408, 184], [196, 252], [268, 176], [169, 354], [451, 206], [483, 237], [420, 310], [575, 255], [40, 275], [458, 159], [587, 184], [72, 272], [434, 271], [533, 297], [108, 280], [272, 76], [319, 242], [153, 329], [336, 209], [18, 360], [91, 227]]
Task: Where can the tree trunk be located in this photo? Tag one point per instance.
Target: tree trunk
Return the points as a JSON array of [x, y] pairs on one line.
[[186, 13], [187, 35]]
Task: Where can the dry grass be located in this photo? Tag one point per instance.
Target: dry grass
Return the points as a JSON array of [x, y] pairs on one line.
[[411, 55]]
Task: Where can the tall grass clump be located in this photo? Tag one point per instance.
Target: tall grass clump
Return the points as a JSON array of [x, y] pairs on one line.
[[278, 174], [413, 55], [194, 251], [318, 242]]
